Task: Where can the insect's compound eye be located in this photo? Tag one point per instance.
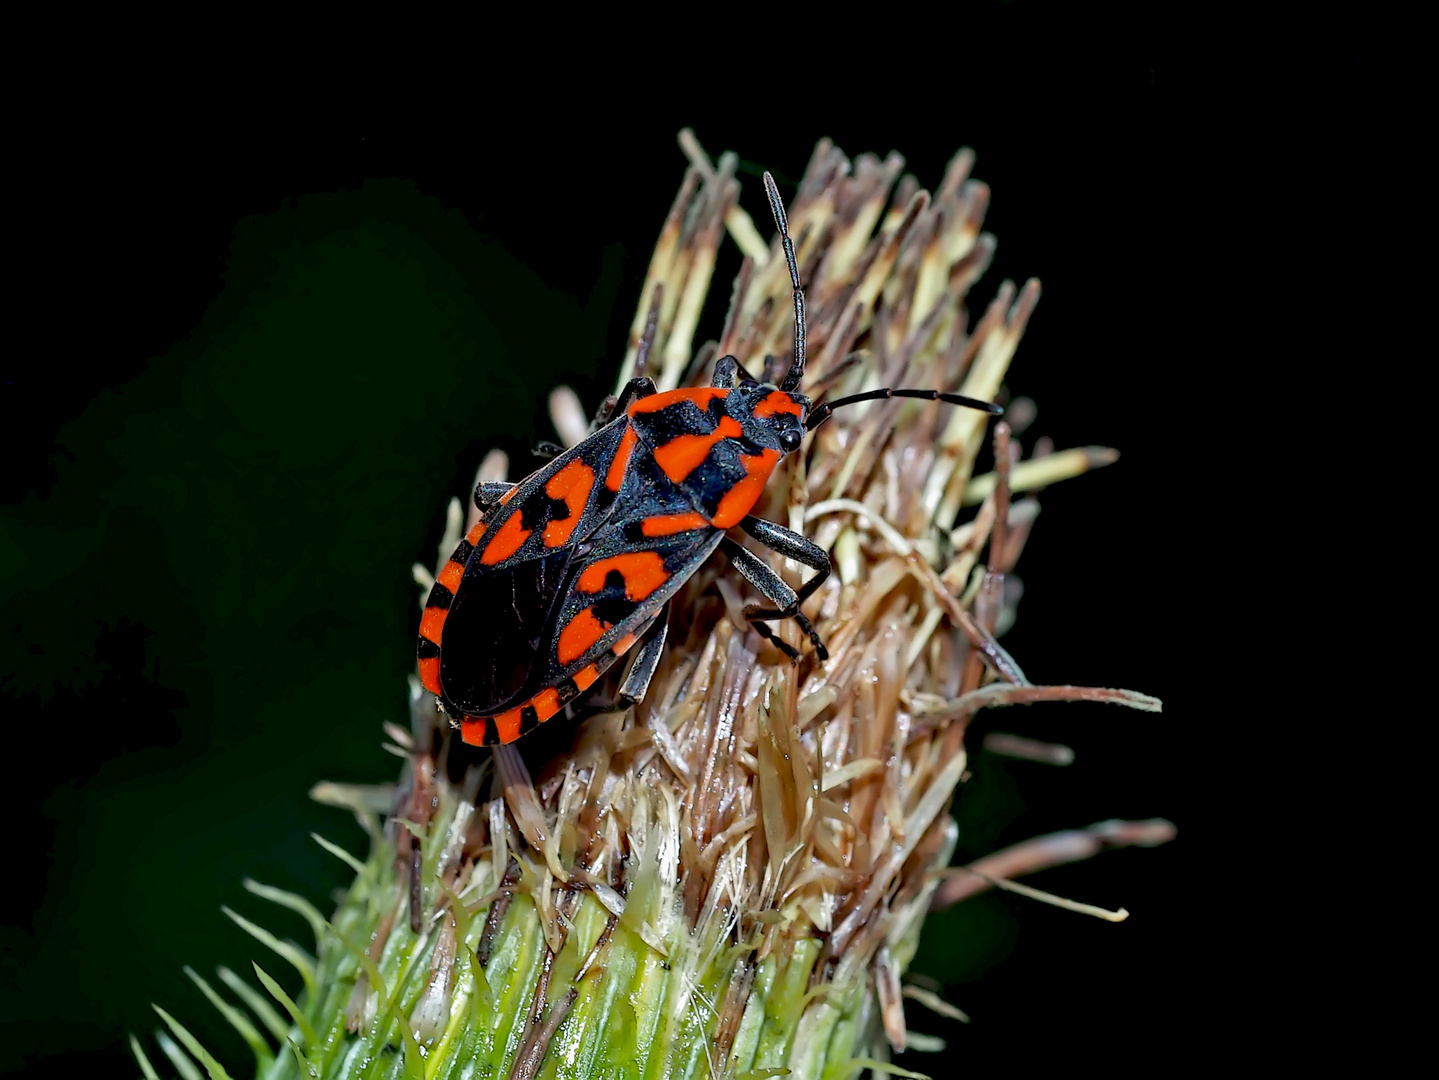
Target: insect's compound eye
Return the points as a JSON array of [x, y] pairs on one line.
[[789, 439]]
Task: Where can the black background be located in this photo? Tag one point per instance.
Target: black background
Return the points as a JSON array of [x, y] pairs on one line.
[[218, 474]]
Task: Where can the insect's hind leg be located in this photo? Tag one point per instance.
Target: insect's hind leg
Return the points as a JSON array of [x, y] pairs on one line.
[[635, 389], [489, 493], [647, 661], [641, 387], [759, 574], [642, 671]]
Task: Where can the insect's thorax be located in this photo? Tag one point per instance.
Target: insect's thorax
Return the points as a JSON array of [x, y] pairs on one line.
[[715, 445]]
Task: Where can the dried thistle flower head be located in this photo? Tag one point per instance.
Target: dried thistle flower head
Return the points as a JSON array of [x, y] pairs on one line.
[[728, 879]]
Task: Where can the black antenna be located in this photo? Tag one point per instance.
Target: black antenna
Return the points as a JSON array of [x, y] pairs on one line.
[[795, 373], [822, 411], [792, 377]]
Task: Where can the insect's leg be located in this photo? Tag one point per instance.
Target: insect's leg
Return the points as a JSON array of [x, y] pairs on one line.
[[488, 494], [603, 413], [758, 573], [727, 370], [792, 545], [642, 387], [545, 450], [647, 660], [637, 682]]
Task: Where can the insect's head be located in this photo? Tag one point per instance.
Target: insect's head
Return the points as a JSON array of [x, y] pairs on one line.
[[772, 419]]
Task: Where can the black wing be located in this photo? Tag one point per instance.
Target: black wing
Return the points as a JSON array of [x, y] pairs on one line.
[[488, 613], [494, 630]]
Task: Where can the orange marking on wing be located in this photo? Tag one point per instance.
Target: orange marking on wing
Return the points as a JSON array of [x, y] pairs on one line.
[[669, 524], [507, 541], [700, 395], [507, 725], [778, 402], [472, 730], [585, 677], [643, 571], [578, 635], [430, 674], [432, 623], [450, 576], [616, 475], [546, 703], [507, 496], [684, 454], [557, 533], [477, 530], [740, 499], [572, 483], [622, 646]]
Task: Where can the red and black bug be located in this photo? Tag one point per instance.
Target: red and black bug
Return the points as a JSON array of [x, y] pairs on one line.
[[569, 569]]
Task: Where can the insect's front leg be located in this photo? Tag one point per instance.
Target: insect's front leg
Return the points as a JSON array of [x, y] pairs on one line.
[[489, 493], [759, 574]]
